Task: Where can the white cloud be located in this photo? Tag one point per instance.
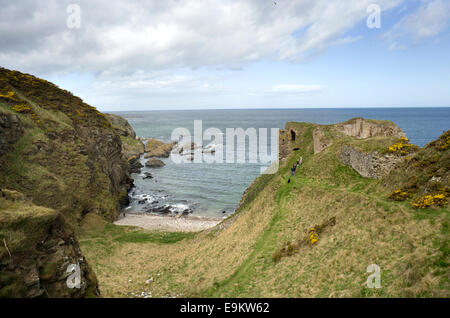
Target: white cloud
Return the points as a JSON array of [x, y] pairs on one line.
[[137, 35], [431, 18]]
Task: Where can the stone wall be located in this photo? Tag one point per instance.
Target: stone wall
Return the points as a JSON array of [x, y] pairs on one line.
[[368, 164], [363, 128]]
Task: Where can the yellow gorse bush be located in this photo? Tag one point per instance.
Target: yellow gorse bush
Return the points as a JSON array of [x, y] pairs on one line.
[[21, 108], [313, 236], [402, 147], [399, 195], [8, 95], [429, 200], [446, 144]]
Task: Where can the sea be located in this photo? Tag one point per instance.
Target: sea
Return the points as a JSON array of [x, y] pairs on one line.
[[213, 190]]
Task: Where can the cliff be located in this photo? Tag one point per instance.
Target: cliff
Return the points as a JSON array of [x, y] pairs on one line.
[[131, 145], [65, 158]]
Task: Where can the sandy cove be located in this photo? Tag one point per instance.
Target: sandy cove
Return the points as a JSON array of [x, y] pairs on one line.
[[168, 223]]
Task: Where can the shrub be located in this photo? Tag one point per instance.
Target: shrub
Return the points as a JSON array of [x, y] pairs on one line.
[[8, 95], [430, 200], [445, 144], [399, 195], [310, 239], [402, 147], [22, 108], [313, 236]]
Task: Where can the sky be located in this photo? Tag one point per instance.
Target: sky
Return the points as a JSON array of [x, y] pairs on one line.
[[210, 54]]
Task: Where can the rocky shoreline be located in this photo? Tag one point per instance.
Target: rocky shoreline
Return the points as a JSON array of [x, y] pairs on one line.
[[152, 156]]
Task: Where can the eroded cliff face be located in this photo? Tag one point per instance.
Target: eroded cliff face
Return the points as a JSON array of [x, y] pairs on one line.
[[39, 252], [61, 154], [132, 146]]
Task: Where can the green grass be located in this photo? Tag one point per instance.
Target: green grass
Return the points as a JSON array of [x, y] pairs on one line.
[[153, 237], [106, 237]]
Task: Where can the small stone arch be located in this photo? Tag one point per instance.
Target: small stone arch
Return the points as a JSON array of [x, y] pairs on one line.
[[292, 135]]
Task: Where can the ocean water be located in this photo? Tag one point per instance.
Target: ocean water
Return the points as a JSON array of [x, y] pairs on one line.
[[212, 189]]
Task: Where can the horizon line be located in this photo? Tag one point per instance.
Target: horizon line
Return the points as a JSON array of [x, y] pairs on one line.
[[282, 108]]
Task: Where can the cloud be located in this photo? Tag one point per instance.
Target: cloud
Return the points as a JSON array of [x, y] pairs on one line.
[[127, 36], [430, 19]]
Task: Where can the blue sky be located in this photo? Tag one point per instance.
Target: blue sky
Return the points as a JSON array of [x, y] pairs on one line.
[[238, 54]]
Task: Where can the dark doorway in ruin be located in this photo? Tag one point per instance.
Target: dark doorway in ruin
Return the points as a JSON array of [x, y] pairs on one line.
[[292, 135]]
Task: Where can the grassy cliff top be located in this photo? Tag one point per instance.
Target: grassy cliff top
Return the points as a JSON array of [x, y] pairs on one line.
[[47, 104], [60, 144]]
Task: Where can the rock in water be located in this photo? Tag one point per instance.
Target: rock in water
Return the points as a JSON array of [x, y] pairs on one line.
[[166, 209], [154, 163], [147, 175], [156, 148]]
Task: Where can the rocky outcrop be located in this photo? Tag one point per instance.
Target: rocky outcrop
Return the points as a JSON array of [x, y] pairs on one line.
[[185, 148], [132, 146], [39, 264], [121, 126], [154, 163], [135, 165], [158, 149], [369, 164], [364, 128]]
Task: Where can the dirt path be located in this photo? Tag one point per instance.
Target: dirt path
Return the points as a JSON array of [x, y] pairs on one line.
[[168, 223]]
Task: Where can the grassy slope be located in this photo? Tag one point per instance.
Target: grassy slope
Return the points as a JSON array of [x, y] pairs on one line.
[[410, 246]]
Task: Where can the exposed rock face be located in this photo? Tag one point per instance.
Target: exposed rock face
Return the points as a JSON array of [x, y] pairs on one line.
[[36, 265], [154, 163], [132, 147], [369, 164], [121, 126], [158, 149], [135, 165], [362, 128], [11, 130]]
